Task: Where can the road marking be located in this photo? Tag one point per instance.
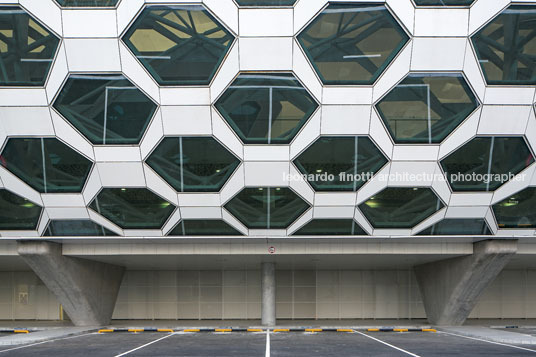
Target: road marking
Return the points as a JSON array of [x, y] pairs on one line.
[[482, 340], [40, 343], [143, 346], [267, 354], [387, 344]]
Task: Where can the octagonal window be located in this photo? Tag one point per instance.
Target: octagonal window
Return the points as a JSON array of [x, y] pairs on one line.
[[400, 207], [265, 2], [193, 164], [27, 48], [485, 163], [17, 213], [106, 109], [88, 3], [46, 164], [329, 227], [179, 44], [458, 226], [76, 228], [341, 163], [443, 2], [506, 47], [517, 211], [267, 207], [426, 108], [205, 227], [352, 43], [266, 108], [132, 208]]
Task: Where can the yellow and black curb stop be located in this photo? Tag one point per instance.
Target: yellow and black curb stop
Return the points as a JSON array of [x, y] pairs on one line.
[[15, 331], [275, 330]]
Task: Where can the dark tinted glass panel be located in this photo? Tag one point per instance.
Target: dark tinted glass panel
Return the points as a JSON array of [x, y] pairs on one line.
[[506, 47], [206, 227], [46, 164], [352, 43], [266, 108], [76, 228], [179, 44], [400, 207], [192, 164], [326, 227], [485, 163], [132, 208], [107, 109], [518, 210], [443, 2], [17, 213], [350, 161], [267, 207], [426, 108], [27, 48], [266, 2], [458, 227], [87, 3]]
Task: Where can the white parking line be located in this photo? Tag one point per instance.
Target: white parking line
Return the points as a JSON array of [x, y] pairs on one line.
[[387, 344], [495, 343], [40, 343], [267, 343], [143, 346]]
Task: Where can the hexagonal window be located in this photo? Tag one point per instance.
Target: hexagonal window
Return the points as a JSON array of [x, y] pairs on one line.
[[76, 228], [179, 44], [517, 211], [506, 47], [87, 3], [485, 163], [340, 163], [458, 226], [132, 208], [331, 227], [266, 108], [46, 164], [105, 108], [443, 2], [267, 207], [205, 227], [352, 43], [426, 108], [17, 213], [193, 164], [27, 48], [265, 2], [400, 207]]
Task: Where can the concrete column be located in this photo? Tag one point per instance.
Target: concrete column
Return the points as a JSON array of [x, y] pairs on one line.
[[268, 294], [451, 288], [86, 289]]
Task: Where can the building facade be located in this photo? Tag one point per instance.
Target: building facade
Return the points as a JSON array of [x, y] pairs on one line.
[[289, 159]]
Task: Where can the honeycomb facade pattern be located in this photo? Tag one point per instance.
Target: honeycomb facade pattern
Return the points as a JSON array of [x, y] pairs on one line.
[[506, 47], [426, 108], [106, 109], [349, 58], [27, 48]]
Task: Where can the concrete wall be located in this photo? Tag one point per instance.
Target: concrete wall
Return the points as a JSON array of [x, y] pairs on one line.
[[237, 295], [23, 296]]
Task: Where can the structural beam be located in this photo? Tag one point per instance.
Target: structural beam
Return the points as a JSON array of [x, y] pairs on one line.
[[268, 294], [86, 289], [451, 288]]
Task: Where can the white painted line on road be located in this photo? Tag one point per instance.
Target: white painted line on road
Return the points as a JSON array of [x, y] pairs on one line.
[[40, 343], [387, 344], [482, 340], [267, 343], [143, 346]]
